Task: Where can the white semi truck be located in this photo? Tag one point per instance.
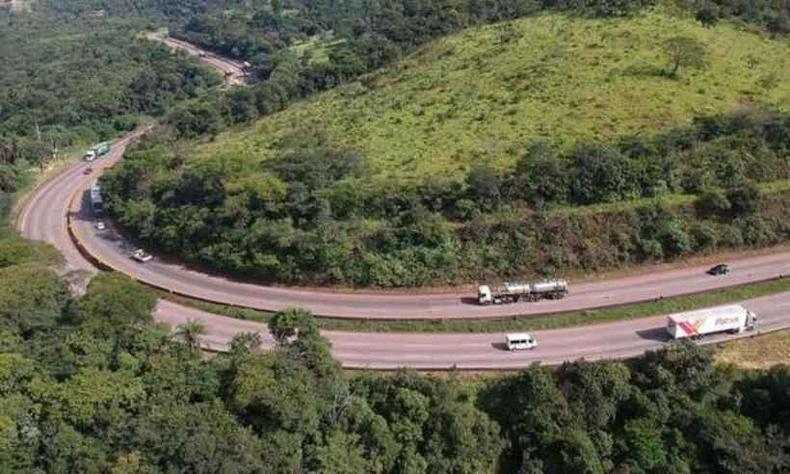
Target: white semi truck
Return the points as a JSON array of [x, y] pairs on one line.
[[97, 151], [515, 292], [694, 324]]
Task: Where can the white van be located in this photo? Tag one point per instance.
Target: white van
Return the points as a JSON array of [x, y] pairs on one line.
[[520, 341]]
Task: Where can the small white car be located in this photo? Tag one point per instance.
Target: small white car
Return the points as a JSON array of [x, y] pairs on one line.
[[520, 341], [100, 225], [141, 256]]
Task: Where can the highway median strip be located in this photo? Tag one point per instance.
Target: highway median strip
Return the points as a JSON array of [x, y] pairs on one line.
[[516, 323]]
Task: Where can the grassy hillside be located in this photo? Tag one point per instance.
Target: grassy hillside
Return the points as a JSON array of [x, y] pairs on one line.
[[485, 94], [378, 183]]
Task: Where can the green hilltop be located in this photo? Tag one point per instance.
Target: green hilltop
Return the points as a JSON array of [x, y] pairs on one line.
[[485, 94]]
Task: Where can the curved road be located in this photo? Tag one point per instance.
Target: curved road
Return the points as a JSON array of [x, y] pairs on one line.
[[232, 70], [43, 217], [616, 340], [113, 252]]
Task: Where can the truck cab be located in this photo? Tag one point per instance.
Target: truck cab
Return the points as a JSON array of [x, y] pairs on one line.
[[90, 155], [751, 321], [484, 295]]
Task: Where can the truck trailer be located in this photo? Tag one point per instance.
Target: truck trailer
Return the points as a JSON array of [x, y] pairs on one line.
[[695, 324], [97, 204], [97, 151], [515, 292]]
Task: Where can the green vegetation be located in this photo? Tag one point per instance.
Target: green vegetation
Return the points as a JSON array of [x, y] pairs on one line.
[[469, 159], [90, 384], [77, 81], [316, 213], [296, 48], [472, 99]]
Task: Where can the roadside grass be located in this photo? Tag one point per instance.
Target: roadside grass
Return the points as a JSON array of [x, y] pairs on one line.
[[485, 94], [758, 352], [779, 186], [517, 323], [221, 309]]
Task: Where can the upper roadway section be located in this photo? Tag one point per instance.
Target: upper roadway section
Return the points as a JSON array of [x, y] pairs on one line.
[[231, 69], [44, 218]]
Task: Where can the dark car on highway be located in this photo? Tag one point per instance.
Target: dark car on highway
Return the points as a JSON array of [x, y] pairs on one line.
[[721, 269]]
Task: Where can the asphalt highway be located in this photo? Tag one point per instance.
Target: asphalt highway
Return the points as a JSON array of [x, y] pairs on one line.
[[44, 217], [616, 340], [113, 251], [232, 70]]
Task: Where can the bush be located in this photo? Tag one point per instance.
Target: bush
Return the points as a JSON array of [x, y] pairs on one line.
[[744, 199], [703, 236], [601, 174], [712, 202]]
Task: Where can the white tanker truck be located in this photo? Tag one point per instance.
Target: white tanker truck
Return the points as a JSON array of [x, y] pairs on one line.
[[515, 292]]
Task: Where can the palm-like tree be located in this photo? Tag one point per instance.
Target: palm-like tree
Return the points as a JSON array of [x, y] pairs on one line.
[[190, 333]]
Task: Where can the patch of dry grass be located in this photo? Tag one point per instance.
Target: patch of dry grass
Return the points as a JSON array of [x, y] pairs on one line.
[[758, 352]]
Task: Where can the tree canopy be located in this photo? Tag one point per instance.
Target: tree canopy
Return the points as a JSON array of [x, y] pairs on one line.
[[95, 386]]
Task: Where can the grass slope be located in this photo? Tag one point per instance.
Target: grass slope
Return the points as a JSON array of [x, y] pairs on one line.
[[485, 94], [756, 352]]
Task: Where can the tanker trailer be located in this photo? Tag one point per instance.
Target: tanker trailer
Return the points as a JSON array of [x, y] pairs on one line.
[[515, 292], [552, 289]]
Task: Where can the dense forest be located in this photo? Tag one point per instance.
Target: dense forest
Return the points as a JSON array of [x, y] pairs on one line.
[[313, 218], [79, 81], [91, 384]]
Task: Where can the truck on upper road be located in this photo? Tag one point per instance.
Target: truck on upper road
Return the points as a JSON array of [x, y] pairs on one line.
[[695, 324], [97, 151], [515, 292]]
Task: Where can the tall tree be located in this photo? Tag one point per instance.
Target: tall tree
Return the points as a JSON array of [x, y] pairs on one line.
[[191, 332]]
